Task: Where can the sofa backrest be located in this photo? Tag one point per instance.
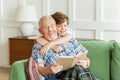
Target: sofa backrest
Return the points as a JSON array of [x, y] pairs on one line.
[[99, 53]]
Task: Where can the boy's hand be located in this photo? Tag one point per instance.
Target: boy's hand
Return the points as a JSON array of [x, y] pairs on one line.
[[57, 48], [45, 49], [47, 46]]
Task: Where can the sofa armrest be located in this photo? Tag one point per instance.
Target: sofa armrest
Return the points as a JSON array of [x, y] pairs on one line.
[[18, 70]]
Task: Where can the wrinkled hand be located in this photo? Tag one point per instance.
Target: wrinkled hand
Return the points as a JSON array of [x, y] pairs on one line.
[[55, 68], [83, 63], [57, 49], [45, 49]]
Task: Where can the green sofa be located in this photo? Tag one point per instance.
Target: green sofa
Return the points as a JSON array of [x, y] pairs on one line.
[[104, 56]]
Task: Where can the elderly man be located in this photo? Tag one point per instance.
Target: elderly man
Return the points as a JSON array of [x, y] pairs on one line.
[[47, 65]]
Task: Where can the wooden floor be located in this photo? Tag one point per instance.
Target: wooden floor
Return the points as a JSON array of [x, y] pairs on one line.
[[4, 73]]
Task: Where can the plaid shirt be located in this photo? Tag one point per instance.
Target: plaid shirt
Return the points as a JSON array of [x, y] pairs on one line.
[[71, 48]]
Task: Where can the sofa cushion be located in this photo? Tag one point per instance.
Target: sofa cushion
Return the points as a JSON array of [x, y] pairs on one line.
[[99, 54], [31, 70], [115, 63]]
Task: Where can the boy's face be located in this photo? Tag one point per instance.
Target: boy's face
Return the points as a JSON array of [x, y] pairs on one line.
[[62, 28]]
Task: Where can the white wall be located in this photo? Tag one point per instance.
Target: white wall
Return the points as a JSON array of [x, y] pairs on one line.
[[93, 19]]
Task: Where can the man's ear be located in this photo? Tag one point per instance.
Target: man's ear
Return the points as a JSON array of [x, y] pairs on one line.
[[39, 29]]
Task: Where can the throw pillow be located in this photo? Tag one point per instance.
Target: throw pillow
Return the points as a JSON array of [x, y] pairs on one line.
[[32, 70]]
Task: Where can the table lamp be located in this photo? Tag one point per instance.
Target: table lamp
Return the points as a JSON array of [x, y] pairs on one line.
[[27, 16]]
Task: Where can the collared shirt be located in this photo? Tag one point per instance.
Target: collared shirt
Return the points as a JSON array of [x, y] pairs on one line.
[[71, 48]]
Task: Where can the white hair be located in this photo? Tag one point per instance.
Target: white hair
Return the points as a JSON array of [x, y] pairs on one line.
[[42, 18]]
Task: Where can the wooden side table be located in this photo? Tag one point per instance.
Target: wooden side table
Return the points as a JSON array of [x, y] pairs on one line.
[[20, 48]]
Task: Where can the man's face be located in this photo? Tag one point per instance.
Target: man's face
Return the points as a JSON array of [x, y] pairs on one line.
[[48, 28]]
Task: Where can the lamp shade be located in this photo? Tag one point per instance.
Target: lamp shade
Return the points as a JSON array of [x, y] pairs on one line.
[[26, 13]]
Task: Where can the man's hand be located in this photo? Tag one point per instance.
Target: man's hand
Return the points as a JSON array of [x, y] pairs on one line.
[[82, 63], [56, 68], [53, 69], [85, 62]]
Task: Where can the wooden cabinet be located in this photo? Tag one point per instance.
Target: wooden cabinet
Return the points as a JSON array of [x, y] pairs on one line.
[[20, 48]]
